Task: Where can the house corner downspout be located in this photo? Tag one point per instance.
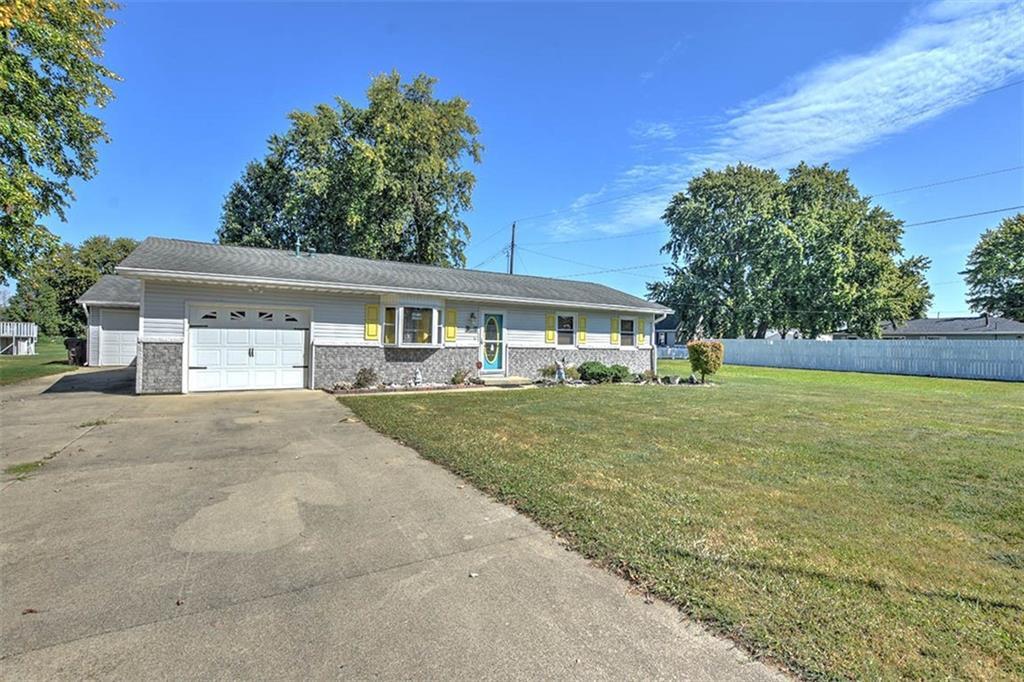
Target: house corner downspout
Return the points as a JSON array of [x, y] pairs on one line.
[[654, 336]]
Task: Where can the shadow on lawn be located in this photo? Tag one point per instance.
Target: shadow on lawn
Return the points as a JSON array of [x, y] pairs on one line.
[[862, 582]]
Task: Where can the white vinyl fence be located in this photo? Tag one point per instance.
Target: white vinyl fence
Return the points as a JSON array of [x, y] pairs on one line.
[[1001, 360]]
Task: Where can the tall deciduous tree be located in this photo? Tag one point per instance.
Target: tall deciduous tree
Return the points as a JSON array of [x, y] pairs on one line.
[[995, 270], [51, 75], [48, 289], [383, 181], [753, 252]]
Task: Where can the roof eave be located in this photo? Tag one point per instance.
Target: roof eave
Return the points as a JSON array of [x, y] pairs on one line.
[[149, 273]]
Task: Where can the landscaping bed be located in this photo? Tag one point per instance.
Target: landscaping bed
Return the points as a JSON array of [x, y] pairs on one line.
[[845, 525]]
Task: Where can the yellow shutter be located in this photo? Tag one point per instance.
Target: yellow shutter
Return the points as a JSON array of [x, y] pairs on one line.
[[549, 329], [615, 331], [640, 332], [581, 335], [371, 323], [451, 316]]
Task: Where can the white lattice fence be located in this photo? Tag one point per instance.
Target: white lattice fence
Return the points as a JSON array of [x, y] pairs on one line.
[[1002, 360]]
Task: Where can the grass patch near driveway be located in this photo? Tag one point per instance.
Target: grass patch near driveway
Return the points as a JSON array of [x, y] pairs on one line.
[[50, 358], [846, 525], [24, 469]]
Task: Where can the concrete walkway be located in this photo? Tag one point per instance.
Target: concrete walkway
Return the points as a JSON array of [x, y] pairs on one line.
[[271, 535]]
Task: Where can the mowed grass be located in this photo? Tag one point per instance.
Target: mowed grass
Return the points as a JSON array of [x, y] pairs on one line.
[[844, 525], [50, 358]]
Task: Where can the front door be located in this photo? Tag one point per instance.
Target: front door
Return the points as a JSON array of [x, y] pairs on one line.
[[494, 342]]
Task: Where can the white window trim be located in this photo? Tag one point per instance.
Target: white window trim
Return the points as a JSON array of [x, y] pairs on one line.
[[400, 327], [575, 330], [634, 345]]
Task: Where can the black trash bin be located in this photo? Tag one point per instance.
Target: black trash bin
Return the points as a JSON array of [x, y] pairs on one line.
[[76, 351]]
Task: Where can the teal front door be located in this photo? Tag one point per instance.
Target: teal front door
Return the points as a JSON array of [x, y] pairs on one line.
[[494, 342]]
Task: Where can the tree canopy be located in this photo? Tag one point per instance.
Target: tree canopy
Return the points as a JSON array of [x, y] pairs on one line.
[[753, 252], [995, 270], [384, 181], [51, 75], [48, 289]]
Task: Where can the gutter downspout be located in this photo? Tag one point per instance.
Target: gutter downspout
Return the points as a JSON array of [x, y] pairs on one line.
[[654, 346]]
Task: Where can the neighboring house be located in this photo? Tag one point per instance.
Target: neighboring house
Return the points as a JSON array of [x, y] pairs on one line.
[[665, 332], [18, 338], [216, 317], [982, 327], [112, 318]]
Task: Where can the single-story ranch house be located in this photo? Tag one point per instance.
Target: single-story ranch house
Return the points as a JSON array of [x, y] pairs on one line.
[[214, 317]]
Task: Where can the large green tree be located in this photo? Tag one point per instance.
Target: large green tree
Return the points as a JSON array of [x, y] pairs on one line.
[[752, 252], [48, 289], [50, 77], [995, 270], [384, 181]]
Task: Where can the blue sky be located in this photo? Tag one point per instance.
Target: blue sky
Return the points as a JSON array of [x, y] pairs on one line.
[[579, 105]]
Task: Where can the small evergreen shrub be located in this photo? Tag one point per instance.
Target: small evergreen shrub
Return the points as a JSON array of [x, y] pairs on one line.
[[365, 378], [705, 357], [596, 372], [619, 373]]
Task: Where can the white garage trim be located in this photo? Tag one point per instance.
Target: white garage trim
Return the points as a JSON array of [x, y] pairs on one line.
[[250, 346]]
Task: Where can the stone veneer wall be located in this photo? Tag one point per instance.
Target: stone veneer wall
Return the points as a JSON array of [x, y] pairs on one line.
[[158, 368], [527, 362], [335, 364]]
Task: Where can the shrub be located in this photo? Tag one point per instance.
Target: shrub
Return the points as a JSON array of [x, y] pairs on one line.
[[649, 375], [365, 378], [461, 377], [595, 371], [619, 373], [705, 357], [550, 371]]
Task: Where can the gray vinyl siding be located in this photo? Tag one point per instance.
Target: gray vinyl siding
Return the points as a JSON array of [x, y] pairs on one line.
[[337, 318]]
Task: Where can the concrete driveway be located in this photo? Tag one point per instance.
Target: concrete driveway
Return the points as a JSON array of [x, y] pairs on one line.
[[271, 535]]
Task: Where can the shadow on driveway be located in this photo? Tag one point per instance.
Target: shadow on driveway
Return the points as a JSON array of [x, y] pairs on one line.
[[117, 381]]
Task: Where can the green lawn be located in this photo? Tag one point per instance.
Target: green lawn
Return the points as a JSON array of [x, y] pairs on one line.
[[50, 358], [845, 525]]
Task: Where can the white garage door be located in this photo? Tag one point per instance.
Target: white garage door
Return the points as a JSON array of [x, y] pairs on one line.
[[119, 336], [240, 348]]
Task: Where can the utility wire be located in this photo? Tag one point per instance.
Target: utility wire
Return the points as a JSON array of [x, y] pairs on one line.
[[948, 182], [664, 185], [489, 258], [966, 215]]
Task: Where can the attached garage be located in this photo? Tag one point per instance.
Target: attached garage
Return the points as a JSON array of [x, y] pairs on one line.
[[238, 348], [112, 311]]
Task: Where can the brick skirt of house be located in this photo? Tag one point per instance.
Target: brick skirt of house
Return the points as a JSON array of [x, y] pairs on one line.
[[337, 364], [158, 368], [527, 362]]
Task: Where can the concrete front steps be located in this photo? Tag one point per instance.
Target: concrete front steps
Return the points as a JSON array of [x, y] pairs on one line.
[[505, 381]]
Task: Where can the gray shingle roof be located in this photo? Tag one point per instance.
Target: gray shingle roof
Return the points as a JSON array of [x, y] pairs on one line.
[[170, 256], [956, 325], [114, 290]]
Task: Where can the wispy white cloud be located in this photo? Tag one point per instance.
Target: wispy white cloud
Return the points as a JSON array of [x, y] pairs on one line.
[[944, 57], [648, 131], [947, 54], [661, 61]]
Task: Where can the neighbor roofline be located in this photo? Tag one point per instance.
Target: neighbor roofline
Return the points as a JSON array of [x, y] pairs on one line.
[[150, 273]]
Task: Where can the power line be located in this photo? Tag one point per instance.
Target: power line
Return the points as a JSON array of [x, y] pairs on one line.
[[674, 183], [966, 215], [948, 182], [489, 258], [596, 239], [490, 236]]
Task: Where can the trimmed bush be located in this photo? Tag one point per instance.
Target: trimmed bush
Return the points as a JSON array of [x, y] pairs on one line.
[[619, 374], [596, 372], [705, 357], [365, 378]]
